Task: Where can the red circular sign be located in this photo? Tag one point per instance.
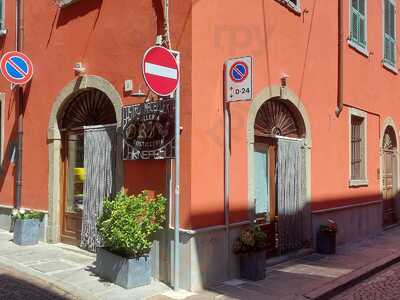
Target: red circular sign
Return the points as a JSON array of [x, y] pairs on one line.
[[239, 71], [16, 67], [160, 70]]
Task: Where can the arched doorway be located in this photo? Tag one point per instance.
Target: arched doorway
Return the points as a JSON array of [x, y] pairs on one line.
[[65, 97], [279, 145], [88, 107], [389, 176], [279, 164]]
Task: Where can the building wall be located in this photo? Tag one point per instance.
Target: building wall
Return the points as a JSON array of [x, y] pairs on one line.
[[110, 40]]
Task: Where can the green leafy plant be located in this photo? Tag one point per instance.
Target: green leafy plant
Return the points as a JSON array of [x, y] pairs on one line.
[[23, 214], [250, 240], [331, 227], [128, 223]]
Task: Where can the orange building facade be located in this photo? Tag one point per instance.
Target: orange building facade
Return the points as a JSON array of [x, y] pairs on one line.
[[342, 120]]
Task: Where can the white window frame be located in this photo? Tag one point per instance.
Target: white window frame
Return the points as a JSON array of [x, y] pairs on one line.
[[3, 29], [364, 116], [352, 44], [384, 63], [295, 7]]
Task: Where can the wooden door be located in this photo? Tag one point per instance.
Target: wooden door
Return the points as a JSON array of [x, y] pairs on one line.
[[267, 218], [388, 187], [73, 175]]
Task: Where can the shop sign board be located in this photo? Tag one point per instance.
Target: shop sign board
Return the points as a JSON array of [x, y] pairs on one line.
[[238, 79], [160, 70], [149, 130]]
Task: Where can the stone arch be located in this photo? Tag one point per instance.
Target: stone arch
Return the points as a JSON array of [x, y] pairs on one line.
[[389, 123], [286, 95], [54, 143]]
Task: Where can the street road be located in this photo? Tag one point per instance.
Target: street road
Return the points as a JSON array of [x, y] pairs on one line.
[[382, 286], [17, 286]]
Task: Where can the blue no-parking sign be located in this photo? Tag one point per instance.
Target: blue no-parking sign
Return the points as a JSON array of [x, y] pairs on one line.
[[16, 67], [238, 79]]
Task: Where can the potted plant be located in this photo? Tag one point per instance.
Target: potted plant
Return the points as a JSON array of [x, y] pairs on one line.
[[251, 246], [127, 227], [26, 226], [326, 238]]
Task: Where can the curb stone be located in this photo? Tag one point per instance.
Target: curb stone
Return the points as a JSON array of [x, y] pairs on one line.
[[342, 283]]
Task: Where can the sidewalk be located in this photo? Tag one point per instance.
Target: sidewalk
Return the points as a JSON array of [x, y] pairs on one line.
[[312, 277], [67, 268]]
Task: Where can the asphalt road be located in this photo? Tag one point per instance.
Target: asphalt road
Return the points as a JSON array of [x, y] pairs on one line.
[[18, 286], [382, 286]]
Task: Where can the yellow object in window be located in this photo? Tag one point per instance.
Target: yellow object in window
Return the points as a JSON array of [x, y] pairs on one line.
[[80, 174]]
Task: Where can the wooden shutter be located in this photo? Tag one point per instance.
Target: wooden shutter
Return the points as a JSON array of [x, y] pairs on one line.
[[358, 22], [390, 33]]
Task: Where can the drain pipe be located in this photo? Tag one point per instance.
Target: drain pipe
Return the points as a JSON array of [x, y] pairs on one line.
[[339, 107], [20, 97]]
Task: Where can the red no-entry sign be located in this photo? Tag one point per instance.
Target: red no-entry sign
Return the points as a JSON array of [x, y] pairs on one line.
[[160, 70]]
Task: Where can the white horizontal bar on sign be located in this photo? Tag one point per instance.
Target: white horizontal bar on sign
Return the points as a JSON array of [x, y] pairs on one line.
[[162, 71]]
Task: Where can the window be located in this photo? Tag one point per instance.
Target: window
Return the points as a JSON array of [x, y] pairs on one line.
[[358, 150], [358, 25], [2, 18], [389, 35], [295, 4]]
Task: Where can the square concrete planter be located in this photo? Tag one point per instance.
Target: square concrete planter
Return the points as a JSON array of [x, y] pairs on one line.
[[252, 265], [26, 232], [128, 273]]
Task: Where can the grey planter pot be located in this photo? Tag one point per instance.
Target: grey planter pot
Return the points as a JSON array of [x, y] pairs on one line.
[[252, 265], [26, 232], [128, 273]]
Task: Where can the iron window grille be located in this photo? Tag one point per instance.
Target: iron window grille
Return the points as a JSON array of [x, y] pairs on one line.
[[357, 148]]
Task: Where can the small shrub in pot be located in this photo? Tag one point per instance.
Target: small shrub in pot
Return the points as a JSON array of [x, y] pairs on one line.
[[127, 228], [27, 226], [251, 246]]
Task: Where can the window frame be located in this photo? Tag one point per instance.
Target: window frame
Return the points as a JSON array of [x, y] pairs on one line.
[[295, 7], [355, 44], [391, 66], [364, 153], [3, 30]]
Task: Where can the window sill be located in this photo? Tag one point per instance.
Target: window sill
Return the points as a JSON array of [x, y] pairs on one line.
[[358, 48], [358, 182], [390, 68], [290, 6], [3, 32]]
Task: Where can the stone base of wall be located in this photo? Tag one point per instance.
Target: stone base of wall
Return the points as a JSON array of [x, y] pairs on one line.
[[354, 222], [205, 259]]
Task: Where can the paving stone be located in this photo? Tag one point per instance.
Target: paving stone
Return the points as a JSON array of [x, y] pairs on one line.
[[53, 266]]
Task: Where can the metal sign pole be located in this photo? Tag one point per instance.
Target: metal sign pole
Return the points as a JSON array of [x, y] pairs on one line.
[[177, 179]]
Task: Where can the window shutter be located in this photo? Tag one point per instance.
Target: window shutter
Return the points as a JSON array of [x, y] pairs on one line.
[[354, 20], [390, 33]]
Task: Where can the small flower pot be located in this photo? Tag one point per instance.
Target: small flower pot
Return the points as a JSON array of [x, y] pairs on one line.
[[326, 242], [26, 232], [252, 265], [125, 272]]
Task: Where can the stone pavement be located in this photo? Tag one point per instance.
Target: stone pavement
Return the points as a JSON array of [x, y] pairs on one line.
[[314, 276], [383, 286], [64, 267], [311, 277]]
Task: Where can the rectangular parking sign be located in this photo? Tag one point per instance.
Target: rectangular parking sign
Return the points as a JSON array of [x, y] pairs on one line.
[[238, 79]]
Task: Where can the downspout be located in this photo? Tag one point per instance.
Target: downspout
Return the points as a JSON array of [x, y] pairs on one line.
[[339, 107], [20, 97]]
